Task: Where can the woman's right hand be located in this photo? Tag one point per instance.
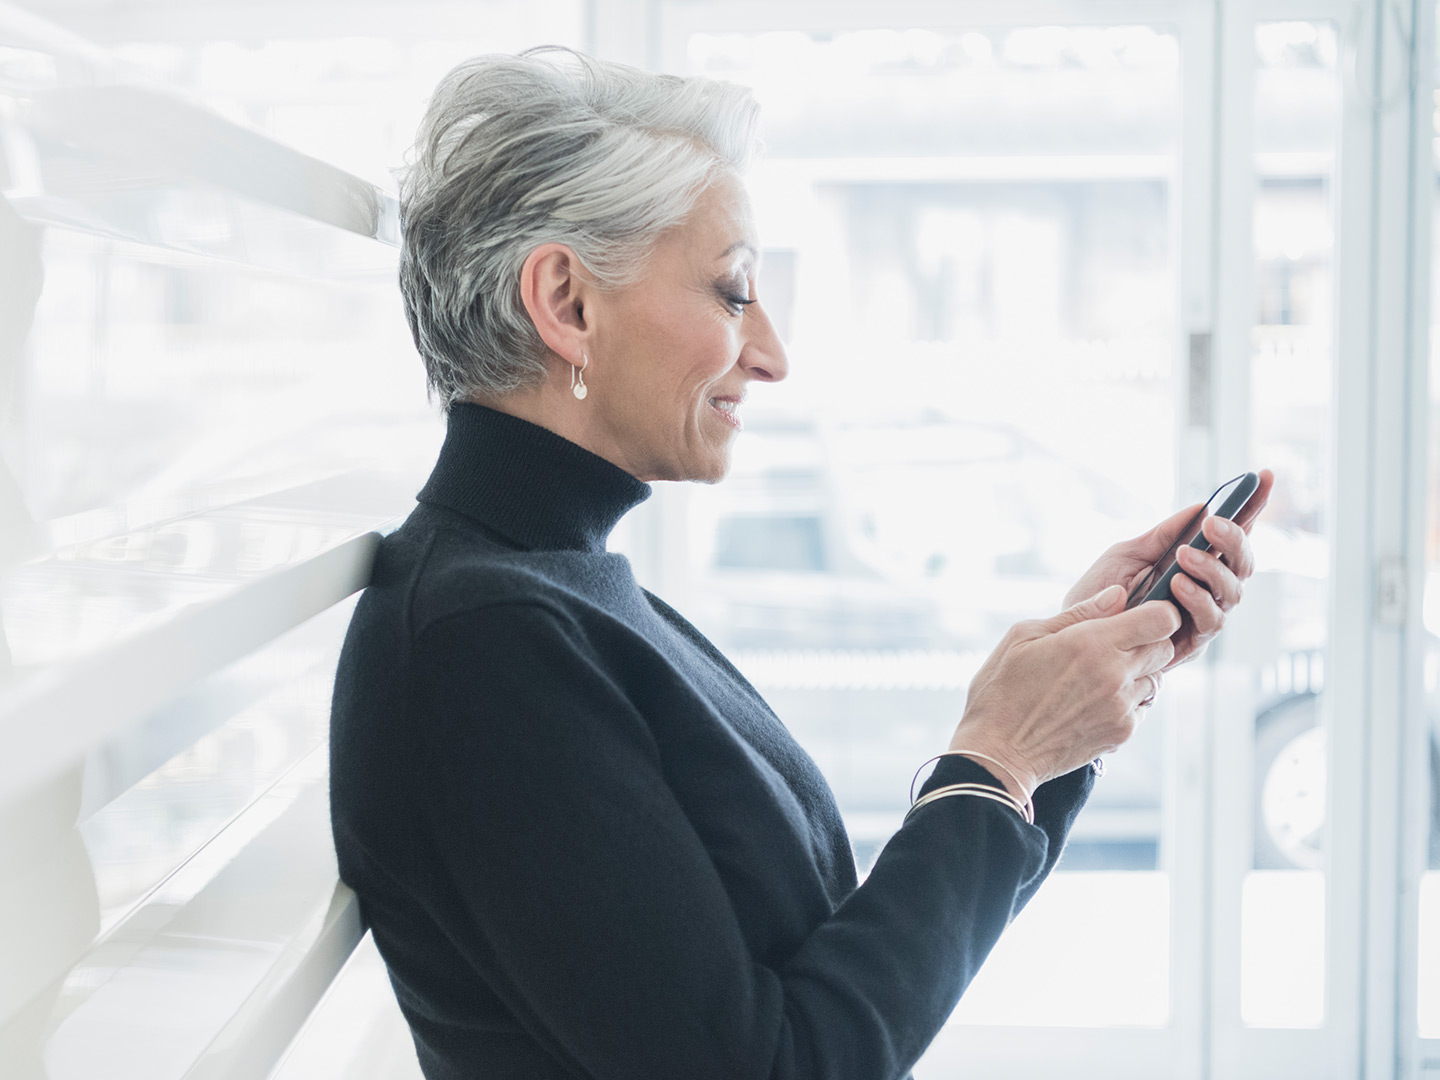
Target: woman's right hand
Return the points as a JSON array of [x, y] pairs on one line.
[[1058, 692]]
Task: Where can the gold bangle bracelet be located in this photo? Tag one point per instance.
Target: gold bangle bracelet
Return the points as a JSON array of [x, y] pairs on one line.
[[1026, 809], [979, 791]]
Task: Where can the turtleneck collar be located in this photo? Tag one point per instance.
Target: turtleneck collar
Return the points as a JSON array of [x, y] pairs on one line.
[[536, 488]]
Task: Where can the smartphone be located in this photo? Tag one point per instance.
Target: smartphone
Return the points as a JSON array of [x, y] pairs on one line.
[[1229, 499]]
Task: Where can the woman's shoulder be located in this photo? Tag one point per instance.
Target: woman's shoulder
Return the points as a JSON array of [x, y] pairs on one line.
[[430, 572]]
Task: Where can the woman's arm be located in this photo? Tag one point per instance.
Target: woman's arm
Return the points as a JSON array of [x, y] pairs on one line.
[[591, 906]]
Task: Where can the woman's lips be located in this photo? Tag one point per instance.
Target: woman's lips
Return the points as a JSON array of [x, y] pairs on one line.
[[728, 410]]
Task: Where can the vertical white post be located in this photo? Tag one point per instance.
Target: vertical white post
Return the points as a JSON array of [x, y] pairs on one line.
[[1346, 703], [1187, 838], [1415, 795], [1392, 240], [1399, 822], [1230, 720]]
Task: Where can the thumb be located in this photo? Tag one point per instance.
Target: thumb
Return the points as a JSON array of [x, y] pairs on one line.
[[1105, 602]]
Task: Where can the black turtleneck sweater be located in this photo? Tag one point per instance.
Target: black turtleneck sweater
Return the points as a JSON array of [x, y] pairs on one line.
[[584, 843]]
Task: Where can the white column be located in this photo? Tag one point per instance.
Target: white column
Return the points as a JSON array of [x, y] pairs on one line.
[[1230, 713], [1187, 832], [1396, 822]]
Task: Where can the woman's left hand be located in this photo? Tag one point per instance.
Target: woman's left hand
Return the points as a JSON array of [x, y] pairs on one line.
[[1211, 583]]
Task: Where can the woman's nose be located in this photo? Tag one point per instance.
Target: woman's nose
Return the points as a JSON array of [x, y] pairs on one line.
[[763, 356]]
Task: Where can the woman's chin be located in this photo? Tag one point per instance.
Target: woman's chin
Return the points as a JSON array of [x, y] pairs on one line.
[[713, 468]]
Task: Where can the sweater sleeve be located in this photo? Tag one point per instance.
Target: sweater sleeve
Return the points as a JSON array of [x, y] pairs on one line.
[[593, 909]]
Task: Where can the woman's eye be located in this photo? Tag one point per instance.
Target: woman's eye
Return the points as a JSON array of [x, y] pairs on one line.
[[737, 304]]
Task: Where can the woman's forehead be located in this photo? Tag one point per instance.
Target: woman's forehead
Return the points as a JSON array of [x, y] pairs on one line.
[[721, 226]]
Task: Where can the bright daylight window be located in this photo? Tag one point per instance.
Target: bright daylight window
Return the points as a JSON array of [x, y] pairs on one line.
[[969, 244]]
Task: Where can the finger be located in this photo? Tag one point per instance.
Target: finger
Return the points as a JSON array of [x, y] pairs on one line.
[[1101, 604], [1151, 659], [1257, 502], [1206, 568], [1153, 621], [1196, 599], [1149, 546], [1230, 540]]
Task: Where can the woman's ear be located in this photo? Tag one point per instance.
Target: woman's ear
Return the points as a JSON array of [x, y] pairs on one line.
[[554, 290]]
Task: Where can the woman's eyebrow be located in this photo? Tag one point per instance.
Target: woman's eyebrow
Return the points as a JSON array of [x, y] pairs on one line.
[[754, 253]]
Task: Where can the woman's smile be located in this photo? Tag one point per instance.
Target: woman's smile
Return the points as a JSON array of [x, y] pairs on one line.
[[727, 408]]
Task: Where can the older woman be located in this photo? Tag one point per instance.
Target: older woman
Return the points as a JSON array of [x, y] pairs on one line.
[[586, 846]]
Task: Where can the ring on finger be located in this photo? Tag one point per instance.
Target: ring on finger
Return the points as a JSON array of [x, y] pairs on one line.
[[1149, 698]]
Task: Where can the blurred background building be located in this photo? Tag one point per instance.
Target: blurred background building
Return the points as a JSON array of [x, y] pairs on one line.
[[1047, 270]]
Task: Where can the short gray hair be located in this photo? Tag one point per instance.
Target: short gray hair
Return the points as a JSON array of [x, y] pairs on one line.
[[550, 146]]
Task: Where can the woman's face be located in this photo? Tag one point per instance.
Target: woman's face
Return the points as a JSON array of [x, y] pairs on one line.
[[674, 353]]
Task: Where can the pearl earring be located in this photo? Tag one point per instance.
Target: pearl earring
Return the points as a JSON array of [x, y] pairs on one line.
[[578, 388]]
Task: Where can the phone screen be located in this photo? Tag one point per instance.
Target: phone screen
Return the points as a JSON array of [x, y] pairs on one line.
[[1228, 500]]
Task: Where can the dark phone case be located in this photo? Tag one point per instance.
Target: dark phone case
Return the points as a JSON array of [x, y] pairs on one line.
[[1228, 509]]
